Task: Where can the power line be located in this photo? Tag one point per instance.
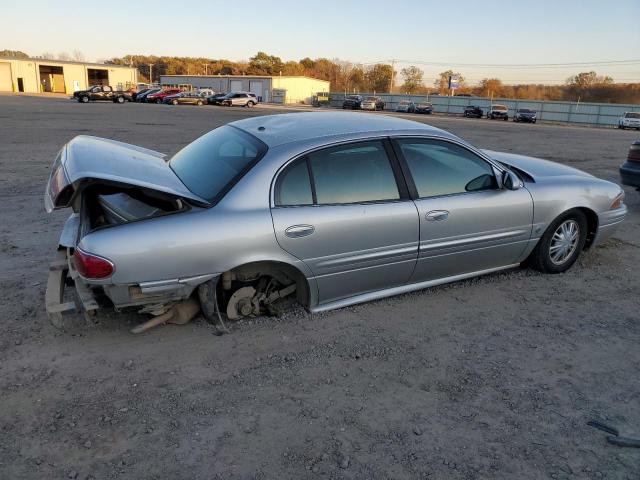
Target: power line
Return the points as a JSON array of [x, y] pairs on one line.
[[601, 63]]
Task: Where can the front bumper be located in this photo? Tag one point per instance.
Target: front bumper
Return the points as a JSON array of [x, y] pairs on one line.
[[630, 174], [527, 119], [608, 223]]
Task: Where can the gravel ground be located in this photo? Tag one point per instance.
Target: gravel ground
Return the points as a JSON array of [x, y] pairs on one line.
[[494, 377]]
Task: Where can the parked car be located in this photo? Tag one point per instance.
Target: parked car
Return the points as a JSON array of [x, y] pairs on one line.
[[424, 107], [158, 97], [498, 111], [101, 93], [216, 99], [142, 96], [205, 92], [630, 170], [525, 115], [372, 103], [472, 111], [139, 92], [213, 228], [184, 98], [242, 99], [353, 102], [406, 106], [629, 120]]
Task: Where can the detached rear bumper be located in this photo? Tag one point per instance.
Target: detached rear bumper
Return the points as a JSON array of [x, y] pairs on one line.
[[61, 274]]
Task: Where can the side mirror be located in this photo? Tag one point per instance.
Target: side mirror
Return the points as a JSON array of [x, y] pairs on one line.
[[511, 181]]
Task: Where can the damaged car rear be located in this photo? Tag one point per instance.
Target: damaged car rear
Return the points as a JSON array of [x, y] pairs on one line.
[[138, 237], [324, 209]]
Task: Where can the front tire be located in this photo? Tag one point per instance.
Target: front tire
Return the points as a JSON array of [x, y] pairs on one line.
[[84, 99], [250, 104], [561, 244], [199, 103], [120, 99], [174, 102]]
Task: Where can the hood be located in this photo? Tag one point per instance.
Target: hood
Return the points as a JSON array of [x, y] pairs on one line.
[[87, 159], [536, 168]]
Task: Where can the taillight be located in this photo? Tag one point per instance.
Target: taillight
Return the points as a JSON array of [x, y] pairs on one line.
[[634, 152], [91, 266]]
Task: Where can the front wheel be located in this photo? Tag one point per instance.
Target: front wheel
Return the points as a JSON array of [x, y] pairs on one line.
[[84, 99], [174, 102], [250, 104], [199, 103], [561, 244], [159, 101], [120, 99]]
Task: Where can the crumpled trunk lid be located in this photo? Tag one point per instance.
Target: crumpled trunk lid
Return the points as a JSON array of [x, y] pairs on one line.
[[89, 160]]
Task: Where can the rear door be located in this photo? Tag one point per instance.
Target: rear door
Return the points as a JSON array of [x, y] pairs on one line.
[[467, 223], [345, 211]]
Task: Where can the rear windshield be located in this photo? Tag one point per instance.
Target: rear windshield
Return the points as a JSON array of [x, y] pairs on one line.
[[212, 164], [632, 115]]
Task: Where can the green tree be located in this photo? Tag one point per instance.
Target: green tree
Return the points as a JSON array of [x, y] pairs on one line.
[[13, 54], [265, 64], [378, 78], [588, 79], [413, 78]]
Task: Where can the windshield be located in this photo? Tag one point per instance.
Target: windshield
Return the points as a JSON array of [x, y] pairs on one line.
[[403, 102], [353, 97], [210, 165], [371, 99], [632, 115], [525, 110], [499, 107]]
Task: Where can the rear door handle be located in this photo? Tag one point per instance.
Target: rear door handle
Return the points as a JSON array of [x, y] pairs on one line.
[[437, 215], [296, 231]]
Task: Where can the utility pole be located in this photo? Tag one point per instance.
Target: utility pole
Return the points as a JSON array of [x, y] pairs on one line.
[[393, 68], [206, 71], [151, 73]]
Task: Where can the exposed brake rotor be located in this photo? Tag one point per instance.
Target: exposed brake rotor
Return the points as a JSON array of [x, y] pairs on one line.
[[241, 303]]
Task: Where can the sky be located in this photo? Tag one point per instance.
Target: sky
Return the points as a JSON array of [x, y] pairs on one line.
[[460, 33]]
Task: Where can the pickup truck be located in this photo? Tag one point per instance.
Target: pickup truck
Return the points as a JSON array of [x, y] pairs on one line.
[[101, 93]]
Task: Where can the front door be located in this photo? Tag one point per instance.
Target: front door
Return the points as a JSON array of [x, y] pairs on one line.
[[344, 211], [467, 223]]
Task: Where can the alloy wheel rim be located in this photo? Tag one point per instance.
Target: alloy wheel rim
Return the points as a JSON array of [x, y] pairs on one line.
[[564, 242]]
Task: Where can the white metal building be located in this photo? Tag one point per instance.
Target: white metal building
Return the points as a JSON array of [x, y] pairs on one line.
[[37, 75], [276, 89]]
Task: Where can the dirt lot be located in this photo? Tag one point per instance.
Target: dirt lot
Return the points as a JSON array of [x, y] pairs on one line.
[[490, 378]]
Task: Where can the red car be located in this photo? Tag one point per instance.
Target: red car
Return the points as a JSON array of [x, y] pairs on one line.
[[158, 97]]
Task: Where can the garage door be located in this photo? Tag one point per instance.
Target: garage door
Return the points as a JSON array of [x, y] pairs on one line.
[[256, 87], [5, 77], [236, 85]]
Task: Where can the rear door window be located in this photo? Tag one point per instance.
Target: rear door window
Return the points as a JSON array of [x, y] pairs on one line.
[[353, 173]]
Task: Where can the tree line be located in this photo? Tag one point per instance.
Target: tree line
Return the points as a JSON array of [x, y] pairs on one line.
[[351, 77]]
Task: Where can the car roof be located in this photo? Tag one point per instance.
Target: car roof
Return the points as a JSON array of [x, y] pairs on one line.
[[276, 130]]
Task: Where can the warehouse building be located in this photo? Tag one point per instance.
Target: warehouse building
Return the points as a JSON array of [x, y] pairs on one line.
[[36, 75], [275, 89]]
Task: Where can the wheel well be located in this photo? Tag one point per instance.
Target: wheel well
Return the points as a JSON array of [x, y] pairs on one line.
[[592, 225], [280, 271]]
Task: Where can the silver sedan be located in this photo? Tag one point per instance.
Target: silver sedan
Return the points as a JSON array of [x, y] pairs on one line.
[[329, 209]]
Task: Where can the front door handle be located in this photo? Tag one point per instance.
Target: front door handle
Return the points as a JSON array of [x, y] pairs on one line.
[[437, 215], [296, 231]]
